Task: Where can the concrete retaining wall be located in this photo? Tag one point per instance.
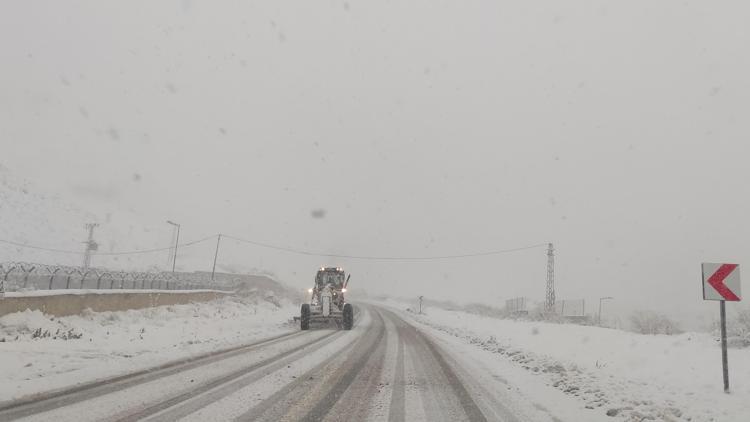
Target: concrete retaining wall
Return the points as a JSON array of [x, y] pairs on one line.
[[74, 304]]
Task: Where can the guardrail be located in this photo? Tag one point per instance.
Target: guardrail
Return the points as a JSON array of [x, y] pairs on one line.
[[25, 275]]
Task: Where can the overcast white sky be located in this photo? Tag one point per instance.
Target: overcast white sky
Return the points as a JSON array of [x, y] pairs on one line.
[[617, 130]]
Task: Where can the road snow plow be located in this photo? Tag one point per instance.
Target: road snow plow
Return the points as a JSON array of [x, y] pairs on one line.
[[327, 303]]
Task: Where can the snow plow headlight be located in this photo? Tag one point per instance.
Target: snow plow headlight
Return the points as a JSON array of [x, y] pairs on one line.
[[343, 290]]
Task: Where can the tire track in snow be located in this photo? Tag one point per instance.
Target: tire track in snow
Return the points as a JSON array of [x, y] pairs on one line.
[[191, 394], [444, 396], [50, 401], [313, 394], [398, 397]]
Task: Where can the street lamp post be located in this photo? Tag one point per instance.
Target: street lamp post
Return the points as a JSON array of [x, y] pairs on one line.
[[600, 307], [176, 242]]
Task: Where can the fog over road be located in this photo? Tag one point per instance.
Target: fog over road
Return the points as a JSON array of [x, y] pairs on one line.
[[383, 369]]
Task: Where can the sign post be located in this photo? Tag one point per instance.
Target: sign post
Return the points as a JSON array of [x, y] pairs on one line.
[[722, 282], [724, 361]]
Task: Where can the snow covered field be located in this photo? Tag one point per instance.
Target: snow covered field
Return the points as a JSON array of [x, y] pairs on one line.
[[42, 353], [608, 372]]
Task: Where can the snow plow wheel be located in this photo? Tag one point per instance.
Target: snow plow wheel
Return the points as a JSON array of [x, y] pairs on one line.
[[304, 320], [348, 316]]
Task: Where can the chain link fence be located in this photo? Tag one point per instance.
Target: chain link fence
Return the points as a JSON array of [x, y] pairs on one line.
[[575, 308], [20, 276], [517, 306]]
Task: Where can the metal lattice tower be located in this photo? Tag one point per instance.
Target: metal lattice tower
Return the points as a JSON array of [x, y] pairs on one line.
[[550, 303], [90, 245]]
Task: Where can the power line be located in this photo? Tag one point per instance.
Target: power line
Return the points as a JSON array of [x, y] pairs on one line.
[[21, 245], [383, 258], [288, 250], [133, 252]]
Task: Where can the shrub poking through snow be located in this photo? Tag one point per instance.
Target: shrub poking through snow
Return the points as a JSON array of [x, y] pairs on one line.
[[738, 328], [649, 322]]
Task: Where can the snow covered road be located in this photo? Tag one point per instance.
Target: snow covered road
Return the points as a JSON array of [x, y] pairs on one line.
[[383, 369]]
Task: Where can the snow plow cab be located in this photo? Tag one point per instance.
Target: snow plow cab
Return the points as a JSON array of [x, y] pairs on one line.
[[327, 303]]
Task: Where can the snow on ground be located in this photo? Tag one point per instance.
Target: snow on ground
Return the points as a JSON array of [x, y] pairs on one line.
[[42, 353], [609, 372]]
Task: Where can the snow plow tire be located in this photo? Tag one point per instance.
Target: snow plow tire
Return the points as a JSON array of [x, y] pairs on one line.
[[304, 320], [348, 316]]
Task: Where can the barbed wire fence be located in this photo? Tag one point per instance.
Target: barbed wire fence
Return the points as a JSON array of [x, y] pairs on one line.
[[21, 276]]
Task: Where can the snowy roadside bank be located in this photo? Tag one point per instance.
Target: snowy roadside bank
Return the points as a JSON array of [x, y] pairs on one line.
[[614, 373], [43, 353]]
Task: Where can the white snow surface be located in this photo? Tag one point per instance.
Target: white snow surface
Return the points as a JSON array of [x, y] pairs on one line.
[[44, 353], [631, 376]]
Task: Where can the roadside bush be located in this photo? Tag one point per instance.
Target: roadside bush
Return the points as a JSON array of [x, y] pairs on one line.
[[738, 328], [483, 310], [649, 322]]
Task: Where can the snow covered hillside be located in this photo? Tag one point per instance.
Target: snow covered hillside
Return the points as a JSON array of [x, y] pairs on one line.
[[608, 372], [43, 353], [33, 218], [30, 217]]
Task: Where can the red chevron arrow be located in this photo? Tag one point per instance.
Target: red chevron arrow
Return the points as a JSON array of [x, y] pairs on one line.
[[717, 281]]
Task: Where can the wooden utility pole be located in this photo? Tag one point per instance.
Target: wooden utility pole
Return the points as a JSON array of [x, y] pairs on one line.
[[216, 256]]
